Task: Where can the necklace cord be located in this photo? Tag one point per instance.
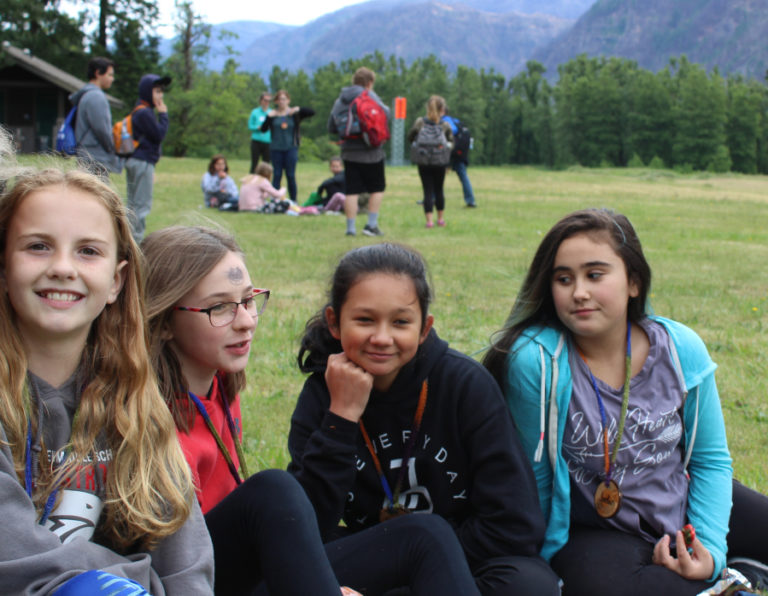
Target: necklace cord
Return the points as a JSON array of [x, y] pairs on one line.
[[611, 463], [415, 428]]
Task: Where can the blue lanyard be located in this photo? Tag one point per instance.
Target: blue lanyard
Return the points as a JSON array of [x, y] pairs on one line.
[[28, 480], [610, 464], [232, 429]]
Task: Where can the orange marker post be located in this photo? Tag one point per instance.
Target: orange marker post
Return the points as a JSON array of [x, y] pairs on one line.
[[400, 108]]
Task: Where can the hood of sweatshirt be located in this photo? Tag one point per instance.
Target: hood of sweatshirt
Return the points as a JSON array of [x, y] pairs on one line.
[[350, 93], [75, 97], [148, 82]]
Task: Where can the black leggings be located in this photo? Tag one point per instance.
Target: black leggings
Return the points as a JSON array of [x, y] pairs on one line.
[[266, 530], [432, 179], [258, 149], [601, 561], [258, 530]]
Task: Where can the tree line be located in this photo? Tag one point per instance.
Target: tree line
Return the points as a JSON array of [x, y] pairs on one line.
[[600, 112]]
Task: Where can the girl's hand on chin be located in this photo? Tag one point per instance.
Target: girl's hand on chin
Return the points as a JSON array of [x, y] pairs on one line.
[[694, 565], [349, 385]]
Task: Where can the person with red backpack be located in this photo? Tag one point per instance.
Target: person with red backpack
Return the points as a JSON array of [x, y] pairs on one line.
[[361, 120]]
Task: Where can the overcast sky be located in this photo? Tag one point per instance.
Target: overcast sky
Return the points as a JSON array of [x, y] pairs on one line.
[[286, 12]]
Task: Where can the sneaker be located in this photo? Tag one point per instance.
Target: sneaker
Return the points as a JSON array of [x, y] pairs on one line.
[[351, 234], [430, 225], [471, 205], [755, 571], [441, 223], [372, 231]]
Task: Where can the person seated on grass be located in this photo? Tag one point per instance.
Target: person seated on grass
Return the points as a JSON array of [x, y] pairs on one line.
[[620, 416], [392, 424], [94, 488], [330, 193], [257, 192], [203, 312], [219, 189]]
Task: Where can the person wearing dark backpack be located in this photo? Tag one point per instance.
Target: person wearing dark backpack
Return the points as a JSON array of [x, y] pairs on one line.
[[363, 160], [431, 142], [93, 123], [462, 143], [149, 129]]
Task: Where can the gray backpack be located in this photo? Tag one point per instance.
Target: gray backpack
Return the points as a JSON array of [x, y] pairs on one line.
[[430, 147]]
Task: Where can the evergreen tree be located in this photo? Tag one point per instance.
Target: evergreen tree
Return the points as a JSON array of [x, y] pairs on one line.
[[744, 126], [699, 115]]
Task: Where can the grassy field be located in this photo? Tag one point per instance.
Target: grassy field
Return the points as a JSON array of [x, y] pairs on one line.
[[705, 236]]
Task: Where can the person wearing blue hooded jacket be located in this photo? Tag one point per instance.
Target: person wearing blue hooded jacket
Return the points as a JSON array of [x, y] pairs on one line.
[[149, 130], [619, 413]]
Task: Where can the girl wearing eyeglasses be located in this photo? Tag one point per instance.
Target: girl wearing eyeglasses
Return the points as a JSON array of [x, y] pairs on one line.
[[203, 311]]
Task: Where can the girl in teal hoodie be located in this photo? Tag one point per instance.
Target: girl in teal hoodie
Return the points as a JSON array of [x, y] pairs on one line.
[[619, 413]]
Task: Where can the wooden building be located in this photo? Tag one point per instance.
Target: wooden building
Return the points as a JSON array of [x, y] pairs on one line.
[[34, 98]]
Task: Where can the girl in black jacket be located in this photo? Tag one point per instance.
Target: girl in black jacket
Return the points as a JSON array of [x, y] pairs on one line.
[[392, 421]]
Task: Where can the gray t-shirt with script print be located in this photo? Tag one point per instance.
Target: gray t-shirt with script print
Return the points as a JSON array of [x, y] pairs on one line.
[[649, 467]]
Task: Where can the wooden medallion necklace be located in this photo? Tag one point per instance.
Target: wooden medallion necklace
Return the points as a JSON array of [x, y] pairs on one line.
[[608, 495], [393, 508]]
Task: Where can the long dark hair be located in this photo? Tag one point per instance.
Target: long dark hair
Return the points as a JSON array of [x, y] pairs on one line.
[[534, 304], [393, 259]]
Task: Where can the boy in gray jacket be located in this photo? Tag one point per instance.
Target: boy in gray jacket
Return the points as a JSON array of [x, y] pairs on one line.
[[93, 125]]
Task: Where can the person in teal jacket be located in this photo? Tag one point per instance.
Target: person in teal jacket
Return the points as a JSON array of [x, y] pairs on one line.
[[260, 140], [580, 354]]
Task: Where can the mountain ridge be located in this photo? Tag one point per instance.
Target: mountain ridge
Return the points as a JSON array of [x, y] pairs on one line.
[[504, 34]]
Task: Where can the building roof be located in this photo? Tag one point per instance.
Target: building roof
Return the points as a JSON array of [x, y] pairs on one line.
[[50, 73]]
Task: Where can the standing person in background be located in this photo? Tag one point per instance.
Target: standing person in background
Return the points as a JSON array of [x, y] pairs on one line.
[[363, 164], [462, 142], [283, 123], [150, 131], [431, 144], [259, 140], [93, 124]]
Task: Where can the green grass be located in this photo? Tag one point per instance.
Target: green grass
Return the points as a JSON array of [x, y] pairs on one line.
[[705, 236]]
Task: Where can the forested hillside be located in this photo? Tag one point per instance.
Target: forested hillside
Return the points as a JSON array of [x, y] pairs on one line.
[[728, 34]]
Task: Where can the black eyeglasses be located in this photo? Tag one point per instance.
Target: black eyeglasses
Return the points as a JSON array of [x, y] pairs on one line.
[[222, 314]]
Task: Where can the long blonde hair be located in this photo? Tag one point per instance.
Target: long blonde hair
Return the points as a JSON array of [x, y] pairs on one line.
[[177, 259], [149, 490], [435, 108]]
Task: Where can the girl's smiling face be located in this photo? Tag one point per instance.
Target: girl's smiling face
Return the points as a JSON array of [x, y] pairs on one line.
[[61, 266], [380, 325], [201, 348], [590, 287]]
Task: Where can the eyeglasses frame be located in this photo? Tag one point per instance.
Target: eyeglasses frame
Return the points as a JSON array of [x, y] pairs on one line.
[[243, 302]]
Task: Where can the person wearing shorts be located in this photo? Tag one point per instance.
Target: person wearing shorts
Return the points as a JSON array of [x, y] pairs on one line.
[[363, 165]]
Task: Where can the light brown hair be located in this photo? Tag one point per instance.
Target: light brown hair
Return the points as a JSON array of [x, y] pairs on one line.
[[149, 490], [177, 258]]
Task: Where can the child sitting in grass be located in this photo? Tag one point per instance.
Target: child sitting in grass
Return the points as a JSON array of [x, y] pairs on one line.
[[258, 194]]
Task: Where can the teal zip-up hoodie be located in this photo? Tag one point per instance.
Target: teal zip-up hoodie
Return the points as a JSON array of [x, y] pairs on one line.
[[539, 360]]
